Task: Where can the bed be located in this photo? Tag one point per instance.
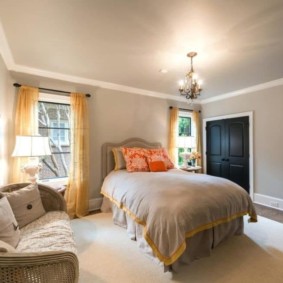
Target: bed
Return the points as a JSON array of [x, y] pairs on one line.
[[175, 216]]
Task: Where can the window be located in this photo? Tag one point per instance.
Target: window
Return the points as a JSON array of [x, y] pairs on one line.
[[58, 133], [54, 122], [184, 126], [186, 139]]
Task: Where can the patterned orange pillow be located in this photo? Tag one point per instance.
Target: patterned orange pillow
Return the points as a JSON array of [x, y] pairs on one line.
[[160, 154], [135, 159]]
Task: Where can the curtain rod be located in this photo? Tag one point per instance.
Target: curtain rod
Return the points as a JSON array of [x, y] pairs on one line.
[[183, 109], [52, 90]]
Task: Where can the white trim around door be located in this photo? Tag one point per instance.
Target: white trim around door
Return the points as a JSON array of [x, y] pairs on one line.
[[251, 130]]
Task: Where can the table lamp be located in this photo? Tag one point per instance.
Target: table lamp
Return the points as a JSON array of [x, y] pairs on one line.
[[31, 147]]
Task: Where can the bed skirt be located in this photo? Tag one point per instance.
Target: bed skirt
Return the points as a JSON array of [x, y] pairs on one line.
[[198, 246]]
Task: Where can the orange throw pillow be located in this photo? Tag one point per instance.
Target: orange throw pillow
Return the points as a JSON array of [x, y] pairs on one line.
[[135, 159], [157, 166]]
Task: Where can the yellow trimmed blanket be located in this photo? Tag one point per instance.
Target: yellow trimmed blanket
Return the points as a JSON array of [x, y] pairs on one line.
[[176, 205]]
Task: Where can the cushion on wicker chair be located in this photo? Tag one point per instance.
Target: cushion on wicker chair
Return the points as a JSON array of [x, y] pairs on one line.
[[26, 204], [51, 232], [9, 229]]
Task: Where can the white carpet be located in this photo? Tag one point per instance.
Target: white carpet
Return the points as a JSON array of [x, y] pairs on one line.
[[106, 254]]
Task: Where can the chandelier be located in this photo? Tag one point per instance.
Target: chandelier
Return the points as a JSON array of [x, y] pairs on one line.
[[190, 87]]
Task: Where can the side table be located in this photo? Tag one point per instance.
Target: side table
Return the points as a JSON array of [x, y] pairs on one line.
[[193, 169]]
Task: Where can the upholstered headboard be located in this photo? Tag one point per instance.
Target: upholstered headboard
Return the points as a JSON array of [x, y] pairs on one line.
[[107, 155]]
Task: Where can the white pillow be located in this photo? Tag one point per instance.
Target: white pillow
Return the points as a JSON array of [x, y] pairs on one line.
[[9, 228]]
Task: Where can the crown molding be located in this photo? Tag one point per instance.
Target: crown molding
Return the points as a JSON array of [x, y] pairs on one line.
[[244, 91], [12, 66], [95, 83]]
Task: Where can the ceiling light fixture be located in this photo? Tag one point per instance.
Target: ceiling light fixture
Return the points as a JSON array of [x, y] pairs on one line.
[[190, 87]]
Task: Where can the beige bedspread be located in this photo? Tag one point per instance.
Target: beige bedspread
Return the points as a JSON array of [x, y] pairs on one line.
[[175, 205]]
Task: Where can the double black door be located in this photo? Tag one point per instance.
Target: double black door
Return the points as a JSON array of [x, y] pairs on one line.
[[228, 150]]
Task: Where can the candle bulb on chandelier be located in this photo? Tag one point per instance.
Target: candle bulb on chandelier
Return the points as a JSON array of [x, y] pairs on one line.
[[181, 84]]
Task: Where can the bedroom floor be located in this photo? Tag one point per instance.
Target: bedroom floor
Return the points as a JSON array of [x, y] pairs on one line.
[[107, 255], [270, 213]]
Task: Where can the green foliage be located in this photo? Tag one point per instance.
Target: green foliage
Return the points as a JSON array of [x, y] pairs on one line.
[[184, 126]]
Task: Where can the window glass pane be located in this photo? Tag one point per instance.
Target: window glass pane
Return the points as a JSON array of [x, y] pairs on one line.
[[50, 113], [53, 120], [180, 159], [60, 137], [61, 169], [43, 132], [185, 141], [184, 126]]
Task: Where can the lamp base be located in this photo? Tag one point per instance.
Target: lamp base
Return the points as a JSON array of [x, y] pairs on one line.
[[32, 169]]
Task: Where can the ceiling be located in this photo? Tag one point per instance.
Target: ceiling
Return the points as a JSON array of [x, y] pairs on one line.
[[124, 43]]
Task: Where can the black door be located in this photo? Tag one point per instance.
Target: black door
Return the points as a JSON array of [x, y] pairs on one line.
[[228, 150]]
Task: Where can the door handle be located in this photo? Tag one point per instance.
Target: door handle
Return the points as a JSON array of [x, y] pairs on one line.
[[224, 159], [227, 159]]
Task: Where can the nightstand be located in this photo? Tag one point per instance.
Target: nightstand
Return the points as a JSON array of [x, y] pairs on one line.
[[193, 169]]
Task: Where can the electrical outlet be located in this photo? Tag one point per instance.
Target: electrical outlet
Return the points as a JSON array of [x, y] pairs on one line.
[[274, 203]]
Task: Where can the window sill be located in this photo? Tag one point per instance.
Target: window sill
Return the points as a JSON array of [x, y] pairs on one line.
[[54, 183]]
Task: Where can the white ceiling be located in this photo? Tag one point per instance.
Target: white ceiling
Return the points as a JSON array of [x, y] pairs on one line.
[[127, 42]]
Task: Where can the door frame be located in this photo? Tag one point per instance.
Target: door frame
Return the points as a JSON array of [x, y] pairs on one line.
[[251, 150]]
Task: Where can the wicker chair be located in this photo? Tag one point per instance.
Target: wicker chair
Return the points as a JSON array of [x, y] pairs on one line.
[[41, 267]]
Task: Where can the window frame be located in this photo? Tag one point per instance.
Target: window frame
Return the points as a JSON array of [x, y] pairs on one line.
[[56, 99], [188, 114]]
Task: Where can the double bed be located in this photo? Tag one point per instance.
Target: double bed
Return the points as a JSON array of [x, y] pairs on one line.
[[175, 216]]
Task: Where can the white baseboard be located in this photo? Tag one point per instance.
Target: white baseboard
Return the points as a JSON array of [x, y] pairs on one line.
[[95, 204], [265, 200], [277, 203]]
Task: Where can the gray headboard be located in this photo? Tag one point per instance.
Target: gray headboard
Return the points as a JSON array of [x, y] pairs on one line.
[[107, 155]]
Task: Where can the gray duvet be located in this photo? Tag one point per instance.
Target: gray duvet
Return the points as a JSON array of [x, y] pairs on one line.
[[175, 205]]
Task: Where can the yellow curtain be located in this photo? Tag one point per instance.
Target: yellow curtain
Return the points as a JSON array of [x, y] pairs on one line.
[[197, 123], [77, 193], [26, 123], [173, 133]]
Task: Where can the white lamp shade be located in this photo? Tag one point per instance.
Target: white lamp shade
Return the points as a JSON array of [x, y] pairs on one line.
[[31, 146]]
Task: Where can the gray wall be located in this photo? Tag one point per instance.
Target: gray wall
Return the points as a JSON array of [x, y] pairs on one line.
[[114, 117], [7, 95], [267, 107]]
